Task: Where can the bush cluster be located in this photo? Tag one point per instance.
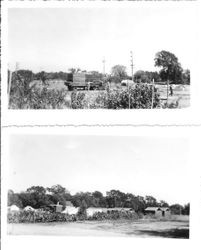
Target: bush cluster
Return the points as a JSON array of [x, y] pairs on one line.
[[138, 97], [42, 216], [45, 216], [36, 98], [78, 100], [115, 215], [25, 96]]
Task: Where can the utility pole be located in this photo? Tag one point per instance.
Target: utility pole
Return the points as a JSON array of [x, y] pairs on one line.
[[167, 91], [152, 95], [17, 66], [104, 65], [132, 64]]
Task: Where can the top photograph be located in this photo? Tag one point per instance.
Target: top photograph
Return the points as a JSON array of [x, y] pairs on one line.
[[99, 57]]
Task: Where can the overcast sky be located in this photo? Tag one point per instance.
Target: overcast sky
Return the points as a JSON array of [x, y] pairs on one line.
[[140, 165], [59, 38]]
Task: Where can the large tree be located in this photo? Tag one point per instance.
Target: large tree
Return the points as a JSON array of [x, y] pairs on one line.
[[14, 199], [186, 76], [170, 66], [59, 194], [118, 73]]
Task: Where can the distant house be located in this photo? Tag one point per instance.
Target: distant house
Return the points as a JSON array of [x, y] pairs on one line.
[[70, 209], [13, 208], [57, 208], [158, 211], [29, 208]]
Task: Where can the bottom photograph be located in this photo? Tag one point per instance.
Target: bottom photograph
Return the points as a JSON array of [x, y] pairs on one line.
[[91, 185]]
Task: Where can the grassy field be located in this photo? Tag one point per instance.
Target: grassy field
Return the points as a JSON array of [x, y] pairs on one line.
[[181, 94], [175, 228]]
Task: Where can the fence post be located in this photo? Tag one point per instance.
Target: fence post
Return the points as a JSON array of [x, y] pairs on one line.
[[152, 95], [129, 101], [167, 91]]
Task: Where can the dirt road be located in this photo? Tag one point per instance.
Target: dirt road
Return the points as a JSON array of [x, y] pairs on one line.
[[141, 228]]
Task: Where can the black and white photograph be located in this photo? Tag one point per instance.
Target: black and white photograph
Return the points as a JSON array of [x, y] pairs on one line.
[[101, 138], [89, 185], [100, 57]]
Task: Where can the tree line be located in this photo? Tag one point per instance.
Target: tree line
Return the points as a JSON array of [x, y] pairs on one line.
[[167, 63], [169, 69], [40, 197]]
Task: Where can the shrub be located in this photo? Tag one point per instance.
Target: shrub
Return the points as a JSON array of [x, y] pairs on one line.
[[39, 99], [45, 216], [115, 215], [136, 97], [37, 216], [24, 96], [78, 100]]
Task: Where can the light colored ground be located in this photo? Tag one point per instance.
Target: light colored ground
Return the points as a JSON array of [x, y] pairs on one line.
[[181, 94], [141, 228]]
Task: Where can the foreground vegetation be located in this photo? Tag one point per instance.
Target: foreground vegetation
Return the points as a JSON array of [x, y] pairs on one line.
[[24, 96], [47, 216]]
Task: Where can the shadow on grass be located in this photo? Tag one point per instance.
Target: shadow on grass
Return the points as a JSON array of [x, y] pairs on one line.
[[174, 233]]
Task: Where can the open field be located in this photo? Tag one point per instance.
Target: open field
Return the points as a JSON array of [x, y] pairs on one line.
[[141, 228], [181, 94]]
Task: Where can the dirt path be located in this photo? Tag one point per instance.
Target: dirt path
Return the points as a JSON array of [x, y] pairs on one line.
[[142, 228]]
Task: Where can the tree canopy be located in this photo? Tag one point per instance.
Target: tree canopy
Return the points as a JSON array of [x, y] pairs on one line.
[[170, 66], [118, 73], [40, 197]]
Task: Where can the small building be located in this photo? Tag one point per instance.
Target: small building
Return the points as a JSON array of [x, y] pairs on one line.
[[13, 208], [166, 211], [29, 208], [70, 209], [57, 208], [158, 211]]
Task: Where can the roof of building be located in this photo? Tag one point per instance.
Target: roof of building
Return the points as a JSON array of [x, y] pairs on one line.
[[56, 205], [152, 209], [165, 209], [69, 204], [157, 209], [29, 208], [14, 208]]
